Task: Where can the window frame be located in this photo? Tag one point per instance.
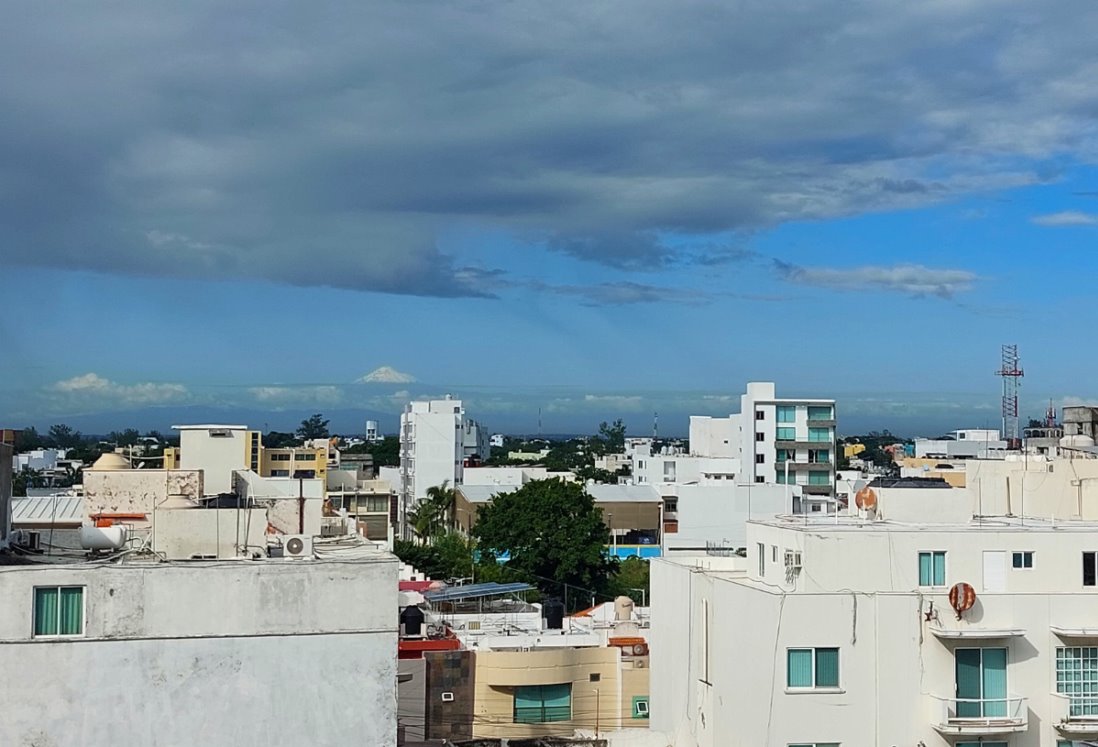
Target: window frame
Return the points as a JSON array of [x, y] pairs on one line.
[[945, 568], [1093, 568], [815, 686], [544, 717], [1018, 560], [59, 634]]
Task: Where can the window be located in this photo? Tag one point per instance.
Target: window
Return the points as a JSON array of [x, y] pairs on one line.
[[786, 434], [774, 553], [819, 456], [58, 611], [760, 459], [815, 744], [787, 413], [760, 415], [819, 478], [819, 412], [786, 455], [762, 558], [780, 478], [760, 478], [1077, 678], [760, 436], [1023, 559], [640, 706], [932, 568], [819, 434], [595, 677], [280, 457], [669, 472], [280, 473], [304, 457], [376, 504], [812, 668], [1089, 568], [538, 704]]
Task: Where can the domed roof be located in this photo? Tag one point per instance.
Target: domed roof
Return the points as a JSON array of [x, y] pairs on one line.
[[111, 461]]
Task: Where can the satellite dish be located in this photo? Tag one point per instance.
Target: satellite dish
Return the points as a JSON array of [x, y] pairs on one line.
[[961, 598], [866, 498]]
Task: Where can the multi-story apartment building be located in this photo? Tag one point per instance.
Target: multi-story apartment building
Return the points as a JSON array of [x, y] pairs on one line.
[[295, 461], [436, 438], [771, 440], [851, 631]]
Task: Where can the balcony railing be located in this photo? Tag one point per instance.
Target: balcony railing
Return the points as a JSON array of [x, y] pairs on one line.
[[1079, 715], [976, 716]]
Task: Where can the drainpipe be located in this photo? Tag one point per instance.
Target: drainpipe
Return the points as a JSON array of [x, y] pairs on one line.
[[301, 505]]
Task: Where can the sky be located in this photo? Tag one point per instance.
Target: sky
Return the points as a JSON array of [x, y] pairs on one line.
[[595, 209]]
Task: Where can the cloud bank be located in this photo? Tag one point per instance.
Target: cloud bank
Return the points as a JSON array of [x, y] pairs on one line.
[[337, 147]]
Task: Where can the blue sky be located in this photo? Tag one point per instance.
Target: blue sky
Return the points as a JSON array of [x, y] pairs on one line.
[[598, 210]]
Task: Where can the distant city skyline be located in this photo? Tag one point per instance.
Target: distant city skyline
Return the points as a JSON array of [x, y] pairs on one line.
[[637, 206]]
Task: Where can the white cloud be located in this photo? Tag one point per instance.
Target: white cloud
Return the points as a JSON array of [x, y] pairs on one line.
[[912, 280], [1066, 218], [103, 391], [286, 396], [387, 375]]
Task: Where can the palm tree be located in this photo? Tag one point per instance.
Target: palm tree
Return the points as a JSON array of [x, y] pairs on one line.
[[433, 515]]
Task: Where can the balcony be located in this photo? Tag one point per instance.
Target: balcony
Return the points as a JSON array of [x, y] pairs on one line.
[[1078, 715], [980, 717]]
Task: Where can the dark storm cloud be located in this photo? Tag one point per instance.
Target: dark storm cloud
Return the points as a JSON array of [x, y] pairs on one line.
[[331, 144]]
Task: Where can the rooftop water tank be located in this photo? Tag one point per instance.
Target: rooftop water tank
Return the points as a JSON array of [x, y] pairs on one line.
[[103, 538], [1077, 441]]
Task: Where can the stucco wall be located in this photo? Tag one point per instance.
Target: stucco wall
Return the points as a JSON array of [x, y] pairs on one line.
[[137, 490], [205, 653]]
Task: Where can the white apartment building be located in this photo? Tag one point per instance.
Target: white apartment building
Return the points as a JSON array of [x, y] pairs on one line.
[[966, 443], [435, 439], [771, 440], [838, 631]]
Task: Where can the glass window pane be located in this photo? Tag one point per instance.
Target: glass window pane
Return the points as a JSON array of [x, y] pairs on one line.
[[799, 667], [827, 667], [787, 434], [45, 611], [925, 572], [819, 412], [72, 611], [939, 569]]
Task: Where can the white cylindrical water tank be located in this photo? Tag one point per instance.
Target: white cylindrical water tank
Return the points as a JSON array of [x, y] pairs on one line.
[[623, 608], [103, 538]]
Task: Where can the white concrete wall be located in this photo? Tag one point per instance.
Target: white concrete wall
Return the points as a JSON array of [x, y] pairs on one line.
[[218, 653], [218, 532], [137, 490], [719, 514], [217, 456], [714, 437]]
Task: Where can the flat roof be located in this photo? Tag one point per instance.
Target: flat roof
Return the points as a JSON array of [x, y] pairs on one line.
[[46, 510], [847, 523], [208, 426]]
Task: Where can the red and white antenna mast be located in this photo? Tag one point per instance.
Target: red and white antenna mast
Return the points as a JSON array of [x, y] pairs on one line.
[[1011, 372]]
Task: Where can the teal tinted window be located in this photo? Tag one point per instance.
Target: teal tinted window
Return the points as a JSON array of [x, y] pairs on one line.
[[819, 434], [819, 412], [787, 413], [59, 610], [819, 478], [932, 567], [827, 667], [787, 434], [812, 667], [799, 667], [538, 704]]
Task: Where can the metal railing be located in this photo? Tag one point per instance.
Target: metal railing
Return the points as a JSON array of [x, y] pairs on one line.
[[954, 713], [1079, 709]]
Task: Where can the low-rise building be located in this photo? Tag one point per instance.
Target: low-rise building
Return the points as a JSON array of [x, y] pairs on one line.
[[970, 443]]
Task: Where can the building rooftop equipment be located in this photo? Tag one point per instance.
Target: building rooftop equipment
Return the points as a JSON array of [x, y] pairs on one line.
[[475, 591]]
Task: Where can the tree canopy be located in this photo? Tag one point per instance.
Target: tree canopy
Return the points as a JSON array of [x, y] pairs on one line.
[[554, 534], [315, 426]]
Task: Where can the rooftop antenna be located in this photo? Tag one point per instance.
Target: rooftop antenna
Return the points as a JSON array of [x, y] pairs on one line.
[[655, 426], [539, 422], [1011, 372]]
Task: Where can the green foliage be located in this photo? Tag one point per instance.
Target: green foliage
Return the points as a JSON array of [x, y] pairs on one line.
[[315, 426], [64, 437], [434, 515], [631, 579], [554, 533], [612, 436], [449, 557], [586, 473], [279, 440], [128, 437], [28, 439]]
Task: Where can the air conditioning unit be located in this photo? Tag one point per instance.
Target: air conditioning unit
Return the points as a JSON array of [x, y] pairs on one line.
[[472, 625], [792, 560], [297, 546], [640, 663]]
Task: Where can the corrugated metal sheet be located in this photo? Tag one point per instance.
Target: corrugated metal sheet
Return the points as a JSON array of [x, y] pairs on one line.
[[475, 591], [42, 511]]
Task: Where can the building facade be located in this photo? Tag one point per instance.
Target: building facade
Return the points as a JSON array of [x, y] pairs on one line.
[[846, 627]]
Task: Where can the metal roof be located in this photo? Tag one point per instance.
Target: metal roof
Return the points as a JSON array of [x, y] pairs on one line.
[[475, 591], [609, 493], [47, 510]]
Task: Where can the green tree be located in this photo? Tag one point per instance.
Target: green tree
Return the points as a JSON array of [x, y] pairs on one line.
[[612, 436], [279, 440], [64, 437], [450, 557], [128, 437], [433, 516], [631, 580], [315, 426], [554, 534], [28, 439]]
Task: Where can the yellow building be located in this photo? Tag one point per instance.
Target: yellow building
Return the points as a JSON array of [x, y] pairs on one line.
[[292, 461], [852, 450], [554, 691], [952, 472]]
